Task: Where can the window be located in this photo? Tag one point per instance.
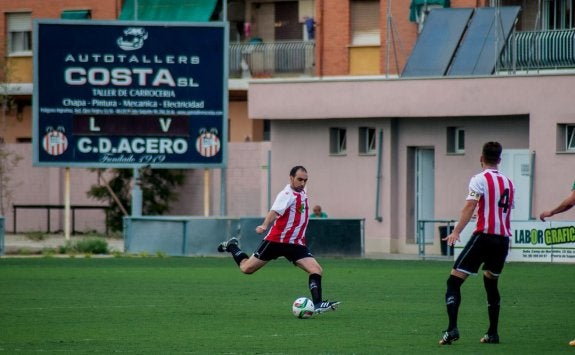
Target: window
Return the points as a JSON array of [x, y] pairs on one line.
[[267, 131], [566, 138], [76, 15], [337, 141], [365, 27], [455, 140], [367, 140], [19, 33], [570, 138], [558, 14]]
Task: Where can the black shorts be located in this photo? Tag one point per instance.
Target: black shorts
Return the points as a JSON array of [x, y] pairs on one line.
[[272, 250], [487, 249]]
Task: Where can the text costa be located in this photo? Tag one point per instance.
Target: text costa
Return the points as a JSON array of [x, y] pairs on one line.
[[123, 77]]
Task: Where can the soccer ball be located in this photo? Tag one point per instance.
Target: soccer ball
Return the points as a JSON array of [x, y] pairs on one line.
[[303, 308]]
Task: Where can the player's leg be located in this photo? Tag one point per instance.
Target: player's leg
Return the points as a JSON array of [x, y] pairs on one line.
[[315, 272], [452, 302], [232, 247], [493, 306], [467, 263], [247, 265], [494, 263], [300, 256], [252, 264]]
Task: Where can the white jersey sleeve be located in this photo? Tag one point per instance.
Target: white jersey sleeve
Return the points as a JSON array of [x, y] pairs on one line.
[[476, 188], [282, 201]]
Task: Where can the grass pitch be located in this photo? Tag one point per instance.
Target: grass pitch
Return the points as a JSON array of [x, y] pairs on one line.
[[205, 305]]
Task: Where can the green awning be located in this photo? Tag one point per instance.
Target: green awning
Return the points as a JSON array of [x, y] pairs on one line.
[[75, 15], [168, 10], [416, 5]]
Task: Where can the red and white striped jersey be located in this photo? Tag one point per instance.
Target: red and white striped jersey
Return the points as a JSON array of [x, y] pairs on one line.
[[290, 226], [495, 193]]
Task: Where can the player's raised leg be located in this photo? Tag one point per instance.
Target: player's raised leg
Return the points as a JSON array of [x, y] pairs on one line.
[[247, 265]]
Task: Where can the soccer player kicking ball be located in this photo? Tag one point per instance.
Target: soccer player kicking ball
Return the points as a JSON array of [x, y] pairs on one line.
[[565, 205], [289, 215], [492, 193]]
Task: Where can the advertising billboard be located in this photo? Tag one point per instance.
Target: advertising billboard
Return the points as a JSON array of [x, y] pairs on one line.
[[534, 241], [127, 94]]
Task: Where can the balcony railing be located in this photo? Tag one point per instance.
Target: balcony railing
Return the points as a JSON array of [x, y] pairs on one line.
[[530, 50], [269, 59]]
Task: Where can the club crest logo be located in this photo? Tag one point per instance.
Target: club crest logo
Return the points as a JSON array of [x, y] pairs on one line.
[[132, 39], [208, 143], [55, 141]]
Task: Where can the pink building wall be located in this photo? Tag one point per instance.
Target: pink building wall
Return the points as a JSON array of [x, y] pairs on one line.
[[522, 112], [246, 191], [35, 186]]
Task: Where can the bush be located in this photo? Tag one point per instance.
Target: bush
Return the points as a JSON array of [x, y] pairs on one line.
[[86, 246], [36, 236]]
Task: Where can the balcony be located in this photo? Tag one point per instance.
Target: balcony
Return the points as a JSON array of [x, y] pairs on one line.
[[271, 59], [539, 50]]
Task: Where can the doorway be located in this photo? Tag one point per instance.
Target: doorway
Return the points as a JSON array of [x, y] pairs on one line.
[[425, 190]]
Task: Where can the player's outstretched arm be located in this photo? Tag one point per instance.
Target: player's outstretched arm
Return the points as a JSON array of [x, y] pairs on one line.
[[565, 205]]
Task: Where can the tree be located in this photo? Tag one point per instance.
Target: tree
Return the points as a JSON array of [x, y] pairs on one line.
[[157, 185]]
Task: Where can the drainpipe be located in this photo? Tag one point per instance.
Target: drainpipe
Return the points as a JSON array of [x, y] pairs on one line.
[[320, 38], [378, 176], [531, 182]]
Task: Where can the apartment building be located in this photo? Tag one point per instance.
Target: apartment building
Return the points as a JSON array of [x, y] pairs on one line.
[[391, 125]]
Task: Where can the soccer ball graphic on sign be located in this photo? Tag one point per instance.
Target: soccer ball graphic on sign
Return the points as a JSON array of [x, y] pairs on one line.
[[303, 308]]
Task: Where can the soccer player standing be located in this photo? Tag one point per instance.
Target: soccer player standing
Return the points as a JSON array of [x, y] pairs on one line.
[[492, 194], [288, 218], [565, 205]]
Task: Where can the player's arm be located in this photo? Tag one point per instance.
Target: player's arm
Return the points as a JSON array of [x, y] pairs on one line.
[[563, 206], [464, 218], [270, 218]]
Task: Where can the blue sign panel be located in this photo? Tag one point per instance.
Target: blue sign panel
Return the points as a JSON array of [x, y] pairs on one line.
[[126, 94]]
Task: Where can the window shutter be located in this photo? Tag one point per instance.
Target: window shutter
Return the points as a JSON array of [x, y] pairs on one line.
[[19, 22], [365, 22]]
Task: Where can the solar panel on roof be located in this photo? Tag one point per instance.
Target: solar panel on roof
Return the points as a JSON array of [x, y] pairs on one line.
[[437, 42], [484, 40]]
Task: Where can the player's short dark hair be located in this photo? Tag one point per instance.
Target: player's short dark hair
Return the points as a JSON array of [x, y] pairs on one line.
[[294, 170], [492, 152]]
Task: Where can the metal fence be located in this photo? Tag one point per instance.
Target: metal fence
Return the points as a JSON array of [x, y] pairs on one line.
[[267, 59], [529, 50], [426, 235]]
